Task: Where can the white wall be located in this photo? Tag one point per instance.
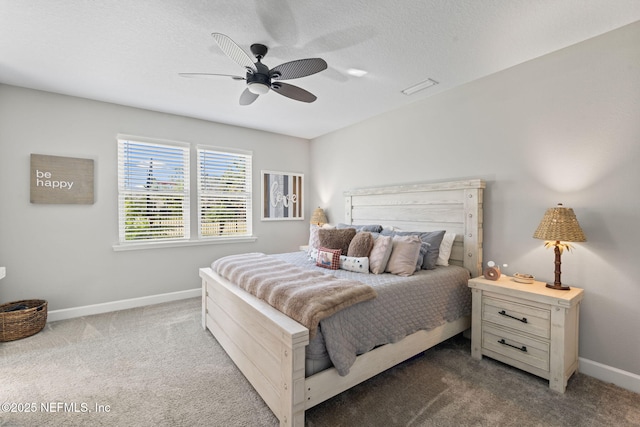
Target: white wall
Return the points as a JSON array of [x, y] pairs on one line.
[[561, 128], [63, 253]]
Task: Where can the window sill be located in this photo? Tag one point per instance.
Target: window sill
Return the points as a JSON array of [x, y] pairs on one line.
[[181, 243]]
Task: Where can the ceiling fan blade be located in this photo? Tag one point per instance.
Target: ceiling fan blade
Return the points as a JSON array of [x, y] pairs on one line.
[[233, 51], [298, 68], [293, 92], [209, 75], [247, 97]]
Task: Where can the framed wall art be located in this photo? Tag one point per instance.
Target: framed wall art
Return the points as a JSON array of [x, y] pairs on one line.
[[282, 196], [61, 180]]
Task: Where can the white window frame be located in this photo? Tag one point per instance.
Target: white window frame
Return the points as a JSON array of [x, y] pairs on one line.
[[169, 181], [192, 204], [215, 160]]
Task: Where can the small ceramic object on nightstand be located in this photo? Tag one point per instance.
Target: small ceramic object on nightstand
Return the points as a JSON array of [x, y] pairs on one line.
[[492, 272], [523, 278]]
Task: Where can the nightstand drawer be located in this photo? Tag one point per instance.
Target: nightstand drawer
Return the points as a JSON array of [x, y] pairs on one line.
[[516, 347], [521, 317]]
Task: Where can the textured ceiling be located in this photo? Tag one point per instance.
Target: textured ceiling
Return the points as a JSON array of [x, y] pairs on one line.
[[130, 51]]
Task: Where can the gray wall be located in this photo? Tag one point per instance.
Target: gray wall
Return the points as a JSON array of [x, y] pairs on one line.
[[561, 128], [63, 253]]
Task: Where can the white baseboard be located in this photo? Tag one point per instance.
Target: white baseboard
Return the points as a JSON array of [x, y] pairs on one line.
[[624, 379], [87, 310]]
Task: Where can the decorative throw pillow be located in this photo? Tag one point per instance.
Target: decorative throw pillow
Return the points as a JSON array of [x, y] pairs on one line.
[[360, 245], [312, 254], [357, 264], [328, 258], [380, 253], [314, 240], [424, 248], [445, 248], [336, 239], [404, 255], [433, 238]]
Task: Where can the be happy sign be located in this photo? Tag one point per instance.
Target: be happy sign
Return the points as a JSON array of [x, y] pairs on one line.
[[61, 180]]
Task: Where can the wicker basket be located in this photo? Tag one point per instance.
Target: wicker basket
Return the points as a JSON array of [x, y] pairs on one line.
[[21, 319]]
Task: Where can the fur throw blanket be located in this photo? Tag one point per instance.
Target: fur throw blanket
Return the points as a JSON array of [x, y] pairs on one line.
[[306, 296]]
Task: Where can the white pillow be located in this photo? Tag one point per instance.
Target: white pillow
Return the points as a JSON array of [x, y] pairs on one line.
[[313, 254], [314, 240], [379, 255], [349, 263], [357, 264], [445, 248]]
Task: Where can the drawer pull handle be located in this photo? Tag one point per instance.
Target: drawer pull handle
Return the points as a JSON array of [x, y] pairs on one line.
[[504, 313], [523, 348]]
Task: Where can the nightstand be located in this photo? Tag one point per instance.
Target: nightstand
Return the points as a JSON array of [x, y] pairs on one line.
[[528, 326]]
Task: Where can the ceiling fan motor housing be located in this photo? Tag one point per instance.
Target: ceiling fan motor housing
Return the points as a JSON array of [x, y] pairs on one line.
[[259, 81]]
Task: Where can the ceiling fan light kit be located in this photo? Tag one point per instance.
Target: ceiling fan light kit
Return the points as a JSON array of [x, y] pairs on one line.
[[258, 88], [259, 77]]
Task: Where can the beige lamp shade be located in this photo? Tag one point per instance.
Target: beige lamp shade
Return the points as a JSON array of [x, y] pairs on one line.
[[318, 217], [560, 224]]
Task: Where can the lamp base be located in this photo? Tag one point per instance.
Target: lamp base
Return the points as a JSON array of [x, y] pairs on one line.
[[558, 287]]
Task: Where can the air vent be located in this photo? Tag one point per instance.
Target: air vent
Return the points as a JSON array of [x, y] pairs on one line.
[[420, 86]]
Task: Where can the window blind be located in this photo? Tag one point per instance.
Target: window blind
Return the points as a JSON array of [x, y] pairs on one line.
[[224, 193], [153, 191]]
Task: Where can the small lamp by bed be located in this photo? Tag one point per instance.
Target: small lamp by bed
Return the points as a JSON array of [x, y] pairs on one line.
[[318, 217], [558, 226]]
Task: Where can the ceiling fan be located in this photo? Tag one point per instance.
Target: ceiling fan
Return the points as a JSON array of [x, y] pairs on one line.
[[259, 77]]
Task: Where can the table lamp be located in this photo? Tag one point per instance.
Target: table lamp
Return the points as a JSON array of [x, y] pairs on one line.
[[559, 225], [318, 217]]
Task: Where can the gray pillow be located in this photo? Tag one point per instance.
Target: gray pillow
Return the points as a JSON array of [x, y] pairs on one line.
[[424, 248], [434, 239], [372, 228]]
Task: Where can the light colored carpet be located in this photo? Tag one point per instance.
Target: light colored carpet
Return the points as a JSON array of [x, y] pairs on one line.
[[155, 366]]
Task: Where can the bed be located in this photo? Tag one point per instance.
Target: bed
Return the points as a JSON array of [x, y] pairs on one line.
[[270, 348]]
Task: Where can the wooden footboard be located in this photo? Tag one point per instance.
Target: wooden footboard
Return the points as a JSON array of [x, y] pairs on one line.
[[269, 348]]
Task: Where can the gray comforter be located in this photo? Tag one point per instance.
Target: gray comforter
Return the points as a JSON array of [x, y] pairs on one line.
[[404, 305]]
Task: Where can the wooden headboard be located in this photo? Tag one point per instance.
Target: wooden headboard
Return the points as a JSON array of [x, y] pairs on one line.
[[455, 206]]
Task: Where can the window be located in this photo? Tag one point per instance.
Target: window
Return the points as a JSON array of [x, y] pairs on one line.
[[154, 202], [224, 193], [153, 191]]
